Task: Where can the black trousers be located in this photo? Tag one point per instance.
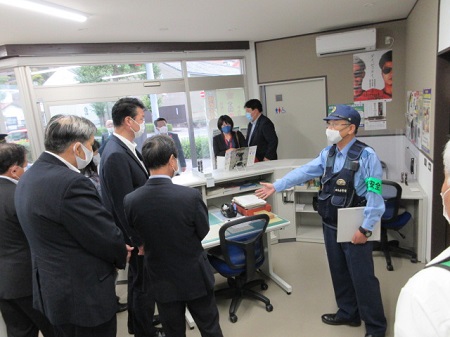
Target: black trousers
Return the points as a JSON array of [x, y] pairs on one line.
[[203, 310], [108, 329], [141, 301], [22, 320]]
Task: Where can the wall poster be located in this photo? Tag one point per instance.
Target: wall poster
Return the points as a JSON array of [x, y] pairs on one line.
[[418, 119], [372, 76]]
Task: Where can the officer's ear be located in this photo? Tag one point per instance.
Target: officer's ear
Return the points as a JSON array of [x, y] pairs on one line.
[[352, 129]]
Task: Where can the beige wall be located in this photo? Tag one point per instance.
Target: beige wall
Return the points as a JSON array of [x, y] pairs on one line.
[[421, 49], [295, 58]]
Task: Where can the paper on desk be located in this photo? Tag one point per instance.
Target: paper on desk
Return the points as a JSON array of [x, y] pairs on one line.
[[213, 233], [249, 201]]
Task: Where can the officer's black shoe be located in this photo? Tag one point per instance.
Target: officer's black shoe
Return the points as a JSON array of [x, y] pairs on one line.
[[370, 335], [333, 320]]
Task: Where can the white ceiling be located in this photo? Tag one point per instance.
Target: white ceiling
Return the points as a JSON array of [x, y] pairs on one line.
[[195, 20]]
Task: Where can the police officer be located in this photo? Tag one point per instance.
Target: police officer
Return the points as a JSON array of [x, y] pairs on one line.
[[351, 176]]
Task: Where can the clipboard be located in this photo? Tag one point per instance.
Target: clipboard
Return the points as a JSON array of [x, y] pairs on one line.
[[349, 220]]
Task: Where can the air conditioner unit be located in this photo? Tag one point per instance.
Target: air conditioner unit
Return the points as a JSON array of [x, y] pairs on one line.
[[345, 43]]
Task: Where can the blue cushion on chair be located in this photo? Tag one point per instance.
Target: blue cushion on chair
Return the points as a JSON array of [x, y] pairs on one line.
[[398, 223]]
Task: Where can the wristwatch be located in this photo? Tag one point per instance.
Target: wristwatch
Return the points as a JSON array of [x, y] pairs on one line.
[[366, 232]]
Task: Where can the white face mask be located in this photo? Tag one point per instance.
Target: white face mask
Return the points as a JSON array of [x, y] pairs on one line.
[[110, 130], [445, 213], [163, 130], [96, 159], [141, 130], [82, 163], [333, 136]]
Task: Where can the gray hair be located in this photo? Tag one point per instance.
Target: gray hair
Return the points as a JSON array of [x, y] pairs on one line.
[[64, 130], [446, 155]]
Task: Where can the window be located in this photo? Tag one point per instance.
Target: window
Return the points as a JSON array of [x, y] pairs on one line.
[[12, 119]]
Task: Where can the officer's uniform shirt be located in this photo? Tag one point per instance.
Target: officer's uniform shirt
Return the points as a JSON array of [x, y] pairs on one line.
[[370, 166]]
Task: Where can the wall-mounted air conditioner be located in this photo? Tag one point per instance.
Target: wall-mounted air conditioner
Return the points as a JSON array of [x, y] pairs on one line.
[[345, 43]]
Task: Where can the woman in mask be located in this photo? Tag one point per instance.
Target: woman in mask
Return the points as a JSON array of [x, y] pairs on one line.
[[91, 170], [228, 139]]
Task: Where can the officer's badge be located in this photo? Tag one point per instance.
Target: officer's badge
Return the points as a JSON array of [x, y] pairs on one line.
[[341, 182]]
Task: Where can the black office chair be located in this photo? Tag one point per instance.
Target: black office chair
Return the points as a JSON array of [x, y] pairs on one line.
[[392, 220], [240, 254]]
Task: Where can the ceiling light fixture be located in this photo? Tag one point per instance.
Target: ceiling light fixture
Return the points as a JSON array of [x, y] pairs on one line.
[[47, 8]]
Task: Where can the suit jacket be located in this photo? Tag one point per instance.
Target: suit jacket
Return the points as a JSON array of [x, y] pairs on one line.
[[120, 173], [220, 147], [105, 138], [75, 245], [172, 220], [265, 137], [15, 256], [181, 157]]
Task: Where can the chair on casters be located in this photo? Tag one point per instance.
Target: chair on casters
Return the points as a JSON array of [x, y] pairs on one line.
[[392, 220], [240, 254]]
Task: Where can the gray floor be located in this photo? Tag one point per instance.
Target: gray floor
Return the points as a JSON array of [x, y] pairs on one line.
[[304, 266]]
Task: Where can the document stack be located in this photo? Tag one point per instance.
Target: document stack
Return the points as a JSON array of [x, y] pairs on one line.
[[250, 204]]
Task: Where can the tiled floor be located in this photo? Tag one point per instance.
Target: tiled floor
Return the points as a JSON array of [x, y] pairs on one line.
[[304, 266]]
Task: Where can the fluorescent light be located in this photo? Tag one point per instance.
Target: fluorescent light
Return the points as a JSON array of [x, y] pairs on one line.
[[47, 8]]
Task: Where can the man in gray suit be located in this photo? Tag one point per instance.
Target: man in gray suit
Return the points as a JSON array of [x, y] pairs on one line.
[[75, 244], [16, 300]]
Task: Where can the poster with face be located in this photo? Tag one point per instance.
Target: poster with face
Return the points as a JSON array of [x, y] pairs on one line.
[[372, 76]]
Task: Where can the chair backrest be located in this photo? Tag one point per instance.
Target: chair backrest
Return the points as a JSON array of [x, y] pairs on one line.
[[241, 242], [392, 193]]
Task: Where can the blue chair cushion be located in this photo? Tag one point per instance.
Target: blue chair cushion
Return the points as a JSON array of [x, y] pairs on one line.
[[398, 223]]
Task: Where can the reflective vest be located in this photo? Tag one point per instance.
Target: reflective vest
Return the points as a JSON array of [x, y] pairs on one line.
[[338, 189]]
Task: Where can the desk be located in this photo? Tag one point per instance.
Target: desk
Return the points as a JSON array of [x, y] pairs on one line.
[[212, 240], [414, 198], [306, 225]]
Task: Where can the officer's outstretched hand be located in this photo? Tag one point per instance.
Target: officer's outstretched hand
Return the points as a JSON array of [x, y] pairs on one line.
[[265, 191]]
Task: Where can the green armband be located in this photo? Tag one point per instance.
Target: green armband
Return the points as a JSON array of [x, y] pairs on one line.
[[374, 185]]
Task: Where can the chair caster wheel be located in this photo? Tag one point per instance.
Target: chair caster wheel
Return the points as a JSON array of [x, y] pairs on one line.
[[264, 286], [233, 318], [269, 307], [390, 267]]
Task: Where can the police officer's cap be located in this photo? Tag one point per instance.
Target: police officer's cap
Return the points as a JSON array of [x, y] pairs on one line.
[[344, 112]]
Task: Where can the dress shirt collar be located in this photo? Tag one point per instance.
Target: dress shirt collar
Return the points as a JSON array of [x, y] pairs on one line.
[[255, 121], [69, 165], [159, 176], [130, 145], [346, 147], [15, 181]]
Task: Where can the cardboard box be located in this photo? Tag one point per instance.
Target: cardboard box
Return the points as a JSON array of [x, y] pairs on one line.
[[251, 211]]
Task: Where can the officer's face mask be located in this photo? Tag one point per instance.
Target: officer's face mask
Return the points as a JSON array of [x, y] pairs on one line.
[[333, 136], [445, 213]]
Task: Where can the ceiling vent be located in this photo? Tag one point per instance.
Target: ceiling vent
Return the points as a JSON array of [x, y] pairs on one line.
[[350, 42]]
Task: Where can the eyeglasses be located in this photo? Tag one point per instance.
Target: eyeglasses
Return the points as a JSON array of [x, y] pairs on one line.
[[386, 70], [333, 125]]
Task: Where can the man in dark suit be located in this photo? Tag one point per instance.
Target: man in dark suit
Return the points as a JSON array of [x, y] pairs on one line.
[[260, 132], [16, 300], [121, 172], [172, 221], [161, 128], [106, 135], [75, 245]]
